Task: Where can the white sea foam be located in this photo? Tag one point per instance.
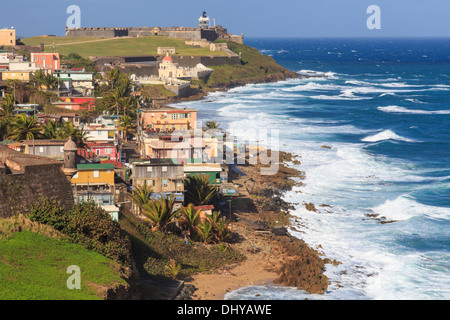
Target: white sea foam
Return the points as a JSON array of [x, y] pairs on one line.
[[404, 207], [386, 135], [397, 109]]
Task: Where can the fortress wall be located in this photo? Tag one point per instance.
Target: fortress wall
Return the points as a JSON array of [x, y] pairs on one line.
[[19, 190], [91, 32], [192, 61]]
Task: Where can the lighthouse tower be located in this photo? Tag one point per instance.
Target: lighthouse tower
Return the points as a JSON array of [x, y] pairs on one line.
[[203, 21]]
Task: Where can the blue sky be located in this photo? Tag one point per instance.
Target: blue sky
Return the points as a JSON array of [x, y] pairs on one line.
[[254, 18]]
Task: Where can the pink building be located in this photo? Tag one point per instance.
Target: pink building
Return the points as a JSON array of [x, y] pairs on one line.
[[46, 61], [104, 150]]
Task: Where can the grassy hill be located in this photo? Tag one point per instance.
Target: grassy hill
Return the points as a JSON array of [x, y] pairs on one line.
[[33, 267], [254, 68], [92, 46]]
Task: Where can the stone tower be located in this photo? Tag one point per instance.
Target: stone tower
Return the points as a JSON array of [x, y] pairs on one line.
[[70, 155]]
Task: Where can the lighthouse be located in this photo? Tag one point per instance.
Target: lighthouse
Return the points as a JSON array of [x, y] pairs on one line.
[[203, 21]]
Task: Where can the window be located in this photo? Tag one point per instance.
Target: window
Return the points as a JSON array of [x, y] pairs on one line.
[[164, 182], [41, 149], [96, 173], [99, 133], [174, 116], [184, 115], [149, 169], [164, 169]]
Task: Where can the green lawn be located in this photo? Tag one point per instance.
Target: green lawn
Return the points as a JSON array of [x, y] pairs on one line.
[[33, 267], [86, 47]]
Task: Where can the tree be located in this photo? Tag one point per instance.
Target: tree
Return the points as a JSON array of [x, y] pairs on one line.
[[69, 130], [38, 78], [198, 190], [111, 77], [50, 130], [49, 81], [141, 196], [161, 212], [23, 127], [189, 217], [7, 104], [127, 125], [212, 125]]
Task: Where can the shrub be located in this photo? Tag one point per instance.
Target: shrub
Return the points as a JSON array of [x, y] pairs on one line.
[[86, 224]]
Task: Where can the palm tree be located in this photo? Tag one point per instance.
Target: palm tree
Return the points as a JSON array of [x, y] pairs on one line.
[[23, 127], [69, 130], [205, 231], [220, 227], [189, 216], [212, 125], [112, 76], [141, 196], [38, 78], [7, 104], [50, 130], [161, 212], [127, 125], [49, 81], [198, 190]]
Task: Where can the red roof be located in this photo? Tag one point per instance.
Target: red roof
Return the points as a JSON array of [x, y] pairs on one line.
[[205, 207], [85, 154], [167, 58], [117, 164]]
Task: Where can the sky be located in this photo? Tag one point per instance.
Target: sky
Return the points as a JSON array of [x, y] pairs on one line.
[[254, 18]]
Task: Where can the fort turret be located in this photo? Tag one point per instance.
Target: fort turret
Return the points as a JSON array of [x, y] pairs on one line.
[[70, 154]]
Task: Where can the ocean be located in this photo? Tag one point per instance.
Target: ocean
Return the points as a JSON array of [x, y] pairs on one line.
[[382, 108]]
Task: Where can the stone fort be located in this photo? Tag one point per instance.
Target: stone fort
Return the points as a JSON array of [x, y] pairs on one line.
[[203, 31]]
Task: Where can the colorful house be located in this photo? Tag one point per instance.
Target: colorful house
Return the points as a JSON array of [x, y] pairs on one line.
[[82, 81], [46, 61], [7, 37], [95, 182], [105, 150], [94, 174], [16, 75], [168, 119]]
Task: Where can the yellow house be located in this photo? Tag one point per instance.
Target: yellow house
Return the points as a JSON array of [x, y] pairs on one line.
[[95, 174], [7, 37], [16, 75]]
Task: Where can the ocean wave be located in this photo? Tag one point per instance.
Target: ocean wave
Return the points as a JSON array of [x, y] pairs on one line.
[[405, 207], [386, 135], [397, 109]]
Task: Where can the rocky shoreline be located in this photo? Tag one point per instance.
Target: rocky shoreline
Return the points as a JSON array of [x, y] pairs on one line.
[[261, 224]]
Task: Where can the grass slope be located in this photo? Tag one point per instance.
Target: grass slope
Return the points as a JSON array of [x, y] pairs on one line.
[[33, 267], [86, 47], [254, 66]]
